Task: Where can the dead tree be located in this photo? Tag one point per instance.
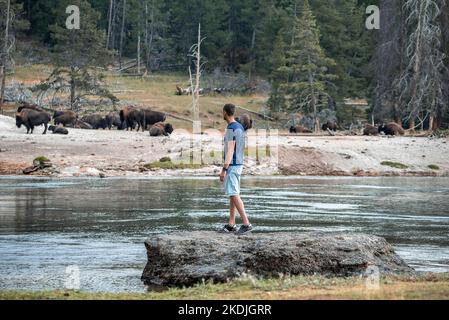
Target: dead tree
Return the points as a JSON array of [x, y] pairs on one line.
[[5, 54]]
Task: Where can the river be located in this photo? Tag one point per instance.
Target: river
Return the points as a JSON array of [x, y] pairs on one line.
[[98, 226]]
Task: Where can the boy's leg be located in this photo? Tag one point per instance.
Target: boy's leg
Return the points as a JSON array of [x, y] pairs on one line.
[[231, 212], [238, 203]]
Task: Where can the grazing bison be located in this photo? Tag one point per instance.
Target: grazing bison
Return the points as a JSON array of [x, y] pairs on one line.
[[113, 120], [96, 120], [32, 118], [246, 121], [66, 118], [160, 129], [153, 117], [299, 129], [136, 116], [26, 105], [58, 130], [391, 129], [330, 125], [370, 130]]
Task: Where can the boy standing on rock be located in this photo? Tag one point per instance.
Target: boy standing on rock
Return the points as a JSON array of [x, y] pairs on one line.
[[234, 147]]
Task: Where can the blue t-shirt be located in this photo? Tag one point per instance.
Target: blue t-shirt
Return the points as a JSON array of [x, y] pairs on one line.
[[235, 132]]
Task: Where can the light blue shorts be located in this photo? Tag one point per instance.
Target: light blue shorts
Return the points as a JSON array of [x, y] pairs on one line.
[[232, 181]]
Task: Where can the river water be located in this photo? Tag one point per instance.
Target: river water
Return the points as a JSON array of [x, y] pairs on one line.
[[51, 228]]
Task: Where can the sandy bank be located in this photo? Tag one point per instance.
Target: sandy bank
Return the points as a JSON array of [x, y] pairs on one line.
[[121, 153]]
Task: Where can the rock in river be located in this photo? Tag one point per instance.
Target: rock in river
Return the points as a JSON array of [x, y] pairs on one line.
[[184, 259]]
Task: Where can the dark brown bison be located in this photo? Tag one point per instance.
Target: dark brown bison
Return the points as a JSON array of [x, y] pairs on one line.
[[391, 129], [161, 129], [153, 117], [370, 130], [113, 120], [331, 125], [58, 130], [32, 118], [126, 122], [137, 116], [246, 121], [96, 120], [66, 118], [299, 129], [26, 105]]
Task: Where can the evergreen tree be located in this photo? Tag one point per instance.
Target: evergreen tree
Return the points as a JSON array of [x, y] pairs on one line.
[[307, 68], [77, 54], [276, 102]]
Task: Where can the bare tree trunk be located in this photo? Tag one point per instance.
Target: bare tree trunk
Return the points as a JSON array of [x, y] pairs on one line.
[[196, 107], [111, 6], [251, 64], [72, 88], [5, 53], [138, 54], [122, 33]]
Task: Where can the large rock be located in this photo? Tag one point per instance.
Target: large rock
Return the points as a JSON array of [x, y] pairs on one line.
[[183, 259]]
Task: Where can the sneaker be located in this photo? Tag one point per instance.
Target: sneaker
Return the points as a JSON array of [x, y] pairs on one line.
[[245, 229], [228, 229]]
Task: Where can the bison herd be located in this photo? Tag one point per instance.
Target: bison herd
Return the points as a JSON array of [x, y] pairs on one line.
[[390, 129], [128, 118]]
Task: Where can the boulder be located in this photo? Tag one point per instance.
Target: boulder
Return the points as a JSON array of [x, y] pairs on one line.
[[184, 259]]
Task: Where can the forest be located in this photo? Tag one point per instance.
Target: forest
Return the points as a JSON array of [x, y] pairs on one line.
[[314, 54]]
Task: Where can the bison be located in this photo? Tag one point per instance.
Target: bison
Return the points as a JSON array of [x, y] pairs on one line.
[[391, 129], [370, 130], [113, 120], [66, 118], [153, 117], [299, 129], [160, 129], [126, 122], [96, 120], [58, 130], [330, 125], [246, 121], [32, 118], [26, 105]]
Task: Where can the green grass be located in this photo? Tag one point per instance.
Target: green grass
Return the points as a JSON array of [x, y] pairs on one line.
[[396, 165], [41, 159], [167, 164], [431, 286], [433, 167]]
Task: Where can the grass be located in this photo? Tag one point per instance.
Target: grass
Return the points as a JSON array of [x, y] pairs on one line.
[[433, 167], [396, 165], [167, 164], [431, 286], [41, 159], [156, 91]]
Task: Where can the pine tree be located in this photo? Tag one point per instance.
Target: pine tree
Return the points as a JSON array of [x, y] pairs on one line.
[[77, 54], [276, 102], [307, 67]]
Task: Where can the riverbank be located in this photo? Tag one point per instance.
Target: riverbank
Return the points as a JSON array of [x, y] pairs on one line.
[[119, 153], [429, 287]]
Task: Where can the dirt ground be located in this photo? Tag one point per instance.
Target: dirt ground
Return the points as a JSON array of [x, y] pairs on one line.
[[121, 153]]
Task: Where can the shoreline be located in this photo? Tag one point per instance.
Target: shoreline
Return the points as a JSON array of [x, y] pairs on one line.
[[112, 153], [426, 286]]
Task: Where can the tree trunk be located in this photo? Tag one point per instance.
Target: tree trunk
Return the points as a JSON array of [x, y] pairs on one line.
[[5, 54], [72, 88], [138, 54], [412, 124], [122, 32], [431, 122], [111, 6], [251, 63]]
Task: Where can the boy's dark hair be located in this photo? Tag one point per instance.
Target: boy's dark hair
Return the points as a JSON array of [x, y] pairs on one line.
[[229, 109]]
